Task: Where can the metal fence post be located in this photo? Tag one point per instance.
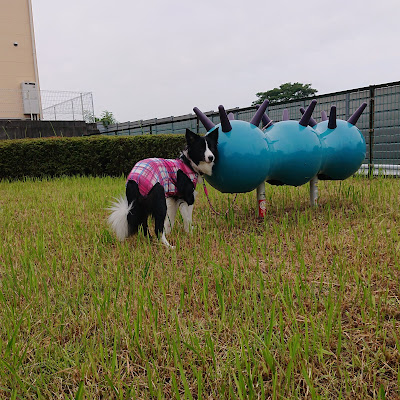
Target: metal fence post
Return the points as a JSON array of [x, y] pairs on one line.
[[371, 130], [92, 113], [83, 112]]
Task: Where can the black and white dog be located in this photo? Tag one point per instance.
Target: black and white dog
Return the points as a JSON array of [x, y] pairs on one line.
[[158, 187]]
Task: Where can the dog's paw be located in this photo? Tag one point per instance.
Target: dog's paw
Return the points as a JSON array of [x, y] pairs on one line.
[[188, 228], [164, 241]]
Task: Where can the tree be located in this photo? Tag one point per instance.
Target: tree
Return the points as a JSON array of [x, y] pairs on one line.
[[285, 92], [107, 118]]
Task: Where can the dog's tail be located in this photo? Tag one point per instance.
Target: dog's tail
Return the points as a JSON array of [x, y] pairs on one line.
[[118, 220]]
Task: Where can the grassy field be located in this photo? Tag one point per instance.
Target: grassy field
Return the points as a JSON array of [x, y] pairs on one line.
[[303, 304]]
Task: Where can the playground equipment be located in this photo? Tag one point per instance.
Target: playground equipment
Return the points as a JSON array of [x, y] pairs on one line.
[[284, 153]]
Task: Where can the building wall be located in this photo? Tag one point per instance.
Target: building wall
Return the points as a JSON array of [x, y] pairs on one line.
[[17, 63]]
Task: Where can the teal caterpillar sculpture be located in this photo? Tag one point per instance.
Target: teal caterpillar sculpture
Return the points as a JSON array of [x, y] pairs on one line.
[[286, 152]]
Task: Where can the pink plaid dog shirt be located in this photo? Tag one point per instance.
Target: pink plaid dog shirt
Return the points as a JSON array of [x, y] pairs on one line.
[[146, 173]]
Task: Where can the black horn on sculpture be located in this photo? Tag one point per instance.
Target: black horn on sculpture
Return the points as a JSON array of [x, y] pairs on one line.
[[207, 123], [225, 123], [305, 119]]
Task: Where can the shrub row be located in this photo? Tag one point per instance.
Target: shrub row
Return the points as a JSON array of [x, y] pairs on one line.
[[94, 156]]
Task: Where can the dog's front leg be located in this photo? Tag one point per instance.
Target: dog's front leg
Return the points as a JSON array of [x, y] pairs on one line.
[[186, 212], [172, 208]]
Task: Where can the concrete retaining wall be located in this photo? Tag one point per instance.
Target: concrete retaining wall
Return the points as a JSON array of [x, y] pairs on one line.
[[20, 129]]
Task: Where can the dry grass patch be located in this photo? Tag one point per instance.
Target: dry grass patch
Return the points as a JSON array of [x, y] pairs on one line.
[[303, 304]]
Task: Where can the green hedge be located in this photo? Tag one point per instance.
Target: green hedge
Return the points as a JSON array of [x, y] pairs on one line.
[[94, 156]]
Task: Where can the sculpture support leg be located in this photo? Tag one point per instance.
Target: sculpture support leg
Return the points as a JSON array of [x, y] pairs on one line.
[[314, 191], [262, 203]]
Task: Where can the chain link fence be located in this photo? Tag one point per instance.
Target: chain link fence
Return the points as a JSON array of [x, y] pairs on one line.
[[67, 106], [54, 105]]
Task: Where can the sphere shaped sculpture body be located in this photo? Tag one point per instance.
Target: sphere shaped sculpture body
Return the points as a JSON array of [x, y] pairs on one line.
[[287, 152], [244, 159], [343, 150], [297, 153]]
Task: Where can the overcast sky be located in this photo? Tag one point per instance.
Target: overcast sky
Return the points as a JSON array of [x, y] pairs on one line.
[[156, 58]]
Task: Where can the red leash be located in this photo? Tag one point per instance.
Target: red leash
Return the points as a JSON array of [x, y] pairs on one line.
[[209, 202]]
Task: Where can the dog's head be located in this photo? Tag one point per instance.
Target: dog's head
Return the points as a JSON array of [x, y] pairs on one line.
[[185, 187], [202, 151]]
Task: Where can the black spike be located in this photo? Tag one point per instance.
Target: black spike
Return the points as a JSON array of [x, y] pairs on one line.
[[285, 115], [332, 118], [207, 123], [265, 119], [305, 119], [354, 118], [225, 124], [259, 113], [312, 122]]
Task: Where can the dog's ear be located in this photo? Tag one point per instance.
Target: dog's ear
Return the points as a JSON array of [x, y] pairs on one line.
[[213, 135], [191, 137], [185, 187]]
